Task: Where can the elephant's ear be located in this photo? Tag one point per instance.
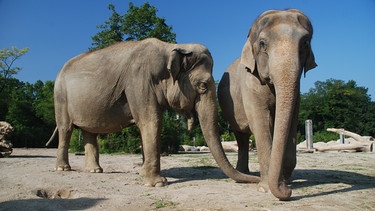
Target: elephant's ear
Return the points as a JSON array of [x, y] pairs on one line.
[[247, 57], [176, 61], [310, 62]]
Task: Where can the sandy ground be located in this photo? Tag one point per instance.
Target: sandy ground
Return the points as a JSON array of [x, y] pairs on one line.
[[321, 181]]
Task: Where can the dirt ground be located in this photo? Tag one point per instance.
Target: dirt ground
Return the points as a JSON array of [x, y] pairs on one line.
[[321, 181]]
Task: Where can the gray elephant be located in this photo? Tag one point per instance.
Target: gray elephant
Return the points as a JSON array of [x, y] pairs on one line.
[[135, 82], [259, 94]]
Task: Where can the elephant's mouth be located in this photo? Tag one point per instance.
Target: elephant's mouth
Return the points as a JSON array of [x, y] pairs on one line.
[[190, 117]]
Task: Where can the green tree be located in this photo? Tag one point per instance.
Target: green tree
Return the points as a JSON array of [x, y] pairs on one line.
[[339, 104], [7, 69], [141, 22], [7, 59], [174, 131], [30, 112], [111, 31], [5, 96], [137, 24], [43, 101]]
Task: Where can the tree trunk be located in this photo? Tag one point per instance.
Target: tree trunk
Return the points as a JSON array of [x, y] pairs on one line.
[[347, 133], [335, 146]]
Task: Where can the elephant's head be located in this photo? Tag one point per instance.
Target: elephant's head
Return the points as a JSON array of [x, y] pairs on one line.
[[277, 50], [191, 91]]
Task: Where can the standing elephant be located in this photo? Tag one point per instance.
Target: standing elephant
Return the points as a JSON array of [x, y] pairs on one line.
[[134, 82], [259, 94]]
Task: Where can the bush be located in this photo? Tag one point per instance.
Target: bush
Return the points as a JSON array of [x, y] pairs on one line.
[[227, 136], [173, 132], [76, 142], [325, 136], [131, 139], [126, 141], [320, 136]]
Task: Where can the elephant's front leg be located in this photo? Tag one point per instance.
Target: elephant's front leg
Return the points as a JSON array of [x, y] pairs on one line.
[[150, 132], [91, 152], [262, 129]]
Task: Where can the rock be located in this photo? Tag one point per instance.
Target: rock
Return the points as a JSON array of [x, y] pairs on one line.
[[5, 145], [204, 149], [187, 148]]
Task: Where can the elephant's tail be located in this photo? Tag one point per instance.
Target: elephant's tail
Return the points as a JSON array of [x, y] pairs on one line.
[[53, 136]]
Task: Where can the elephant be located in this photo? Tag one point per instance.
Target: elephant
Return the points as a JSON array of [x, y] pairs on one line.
[[259, 94], [134, 82]]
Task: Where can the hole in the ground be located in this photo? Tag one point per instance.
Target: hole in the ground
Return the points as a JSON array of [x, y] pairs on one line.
[[54, 194]]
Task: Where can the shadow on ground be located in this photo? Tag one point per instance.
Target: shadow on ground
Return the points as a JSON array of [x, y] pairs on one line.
[[314, 177], [50, 204], [302, 178], [185, 174], [30, 156]]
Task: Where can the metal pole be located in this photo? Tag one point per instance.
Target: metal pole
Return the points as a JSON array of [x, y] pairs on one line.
[[309, 134], [342, 138]]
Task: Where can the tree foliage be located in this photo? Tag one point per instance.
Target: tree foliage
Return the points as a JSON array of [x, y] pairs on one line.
[[7, 59], [27, 107], [110, 31], [30, 112], [338, 104], [137, 24], [141, 23], [7, 68]]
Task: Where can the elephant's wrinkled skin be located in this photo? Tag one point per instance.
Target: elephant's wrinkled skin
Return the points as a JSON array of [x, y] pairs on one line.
[[134, 82], [259, 94]]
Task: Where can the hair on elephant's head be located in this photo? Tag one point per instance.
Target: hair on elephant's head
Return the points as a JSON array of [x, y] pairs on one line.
[[274, 36]]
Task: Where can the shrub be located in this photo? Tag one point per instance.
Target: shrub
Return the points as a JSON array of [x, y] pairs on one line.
[[76, 142], [227, 136], [325, 136]]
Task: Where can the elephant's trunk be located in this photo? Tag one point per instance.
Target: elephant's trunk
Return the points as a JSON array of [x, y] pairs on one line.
[[206, 108], [287, 91]]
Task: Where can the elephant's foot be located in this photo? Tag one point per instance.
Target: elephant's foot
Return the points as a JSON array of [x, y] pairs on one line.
[[156, 182], [263, 186], [94, 169], [63, 168], [142, 172]]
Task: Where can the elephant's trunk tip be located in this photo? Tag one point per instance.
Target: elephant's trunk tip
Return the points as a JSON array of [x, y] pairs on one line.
[[282, 192]]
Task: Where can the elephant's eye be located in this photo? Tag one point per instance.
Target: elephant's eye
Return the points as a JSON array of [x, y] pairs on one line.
[[202, 87], [263, 45]]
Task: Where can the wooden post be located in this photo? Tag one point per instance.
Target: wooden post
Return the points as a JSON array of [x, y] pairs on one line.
[[309, 134]]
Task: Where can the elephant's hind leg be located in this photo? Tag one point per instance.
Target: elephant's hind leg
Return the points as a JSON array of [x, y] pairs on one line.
[[62, 163], [243, 152], [91, 152]]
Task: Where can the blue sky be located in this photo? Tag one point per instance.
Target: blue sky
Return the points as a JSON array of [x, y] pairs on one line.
[[343, 40]]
